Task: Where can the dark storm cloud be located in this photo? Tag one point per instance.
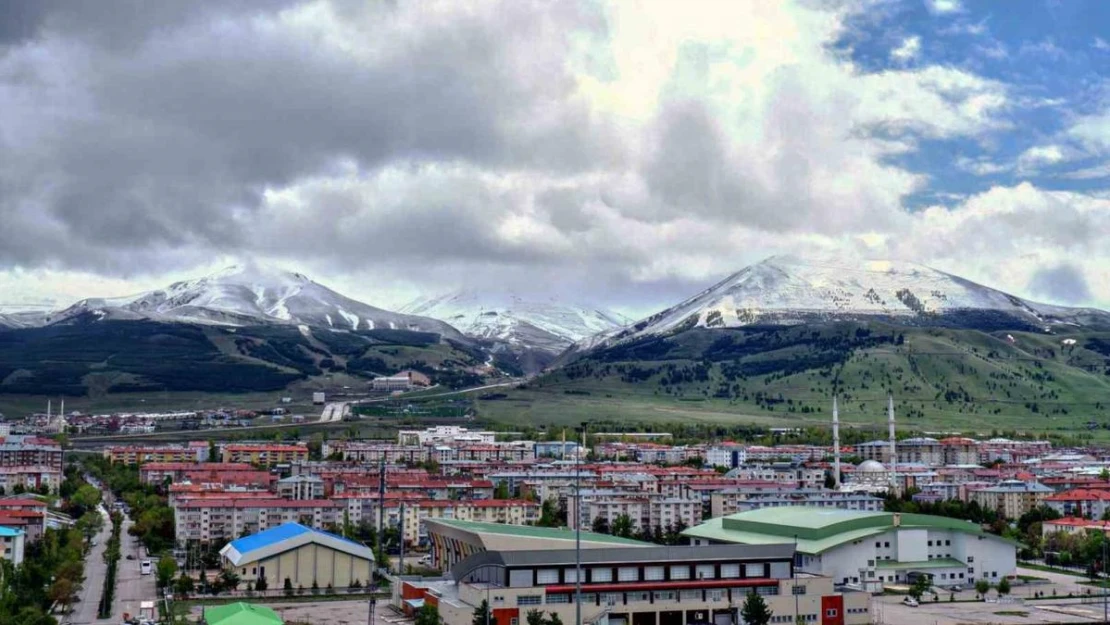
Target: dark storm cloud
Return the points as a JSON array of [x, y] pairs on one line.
[[149, 126], [1063, 284]]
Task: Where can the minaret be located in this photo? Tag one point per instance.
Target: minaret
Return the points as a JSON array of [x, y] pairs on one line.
[[836, 446], [893, 445], [49, 409]]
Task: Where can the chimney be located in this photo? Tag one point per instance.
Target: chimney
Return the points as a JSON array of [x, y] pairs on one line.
[[897, 519], [893, 444], [836, 446]]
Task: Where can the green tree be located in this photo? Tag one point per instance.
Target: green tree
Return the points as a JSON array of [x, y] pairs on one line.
[[1003, 586], [982, 587], [85, 498], [261, 584], [165, 570], [64, 591], [622, 526], [755, 610], [184, 585], [229, 579], [920, 587], [535, 617], [600, 525], [554, 619], [428, 615], [502, 491], [288, 588], [483, 615]]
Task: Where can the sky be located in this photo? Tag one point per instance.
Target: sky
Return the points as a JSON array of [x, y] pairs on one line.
[[623, 154]]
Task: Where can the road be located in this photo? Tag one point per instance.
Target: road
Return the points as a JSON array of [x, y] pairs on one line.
[[335, 412], [84, 612], [131, 586]]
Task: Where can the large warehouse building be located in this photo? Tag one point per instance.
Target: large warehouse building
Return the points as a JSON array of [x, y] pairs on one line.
[[869, 548], [453, 540], [300, 554], [637, 586]]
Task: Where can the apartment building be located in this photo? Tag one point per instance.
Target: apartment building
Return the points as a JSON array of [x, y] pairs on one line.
[[25, 514], [645, 511], [1080, 502], [1011, 498], [19, 450], [159, 472], [209, 519], [301, 487], [31, 478], [787, 474], [444, 434], [728, 455], [196, 451], [264, 454], [724, 503]]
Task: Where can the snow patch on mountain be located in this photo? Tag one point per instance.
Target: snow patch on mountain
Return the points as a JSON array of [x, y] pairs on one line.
[[550, 324], [791, 290], [244, 295]]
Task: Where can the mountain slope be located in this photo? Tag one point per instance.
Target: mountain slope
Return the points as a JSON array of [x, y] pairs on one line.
[[545, 325], [246, 296], [786, 290]]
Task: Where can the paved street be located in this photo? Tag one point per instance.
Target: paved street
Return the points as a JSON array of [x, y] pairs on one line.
[[85, 610], [131, 586]]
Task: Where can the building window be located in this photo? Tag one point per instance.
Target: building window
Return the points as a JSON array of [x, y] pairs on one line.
[[766, 591], [611, 598], [690, 595], [753, 570], [529, 600], [628, 574], [637, 596], [705, 571], [878, 545], [570, 576], [730, 571], [948, 543], [560, 598], [653, 573], [601, 575], [664, 595], [830, 613], [798, 590], [715, 594], [680, 572], [547, 576], [886, 544]]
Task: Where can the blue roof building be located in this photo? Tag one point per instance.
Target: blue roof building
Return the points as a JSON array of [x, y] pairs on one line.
[[301, 554]]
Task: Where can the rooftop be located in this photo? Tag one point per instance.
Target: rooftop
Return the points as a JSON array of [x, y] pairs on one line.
[[529, 531], [240, 613], [287, 536]]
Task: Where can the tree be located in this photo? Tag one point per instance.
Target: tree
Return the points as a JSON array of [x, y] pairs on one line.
[[600, 525], [554, 619], [982, 587], [622, 526], [428, 615], [1003, 587], [502, 491], [229, 579], [535, 617], [261, 584], [166, 569], [483, 615], [288, 588], [184, 586], [63, 591], [920, 586], [755, 610]]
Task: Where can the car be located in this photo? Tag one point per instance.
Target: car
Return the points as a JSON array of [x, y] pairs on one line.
[[956, 588], [130, 557], [910, 602]]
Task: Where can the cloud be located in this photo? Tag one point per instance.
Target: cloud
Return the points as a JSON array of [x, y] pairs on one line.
[[944, 7], [1063, 283], [1100, 44], [909, 50], [1039, 156], [595, 148]]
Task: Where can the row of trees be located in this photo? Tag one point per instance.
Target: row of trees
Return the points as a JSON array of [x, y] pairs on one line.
[[111, 557], [153, 518], [623, 527]]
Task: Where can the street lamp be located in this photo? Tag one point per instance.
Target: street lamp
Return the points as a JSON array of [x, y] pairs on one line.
[[578, 529]]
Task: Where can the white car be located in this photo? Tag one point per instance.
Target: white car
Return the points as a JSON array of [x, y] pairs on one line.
[[910, 601]]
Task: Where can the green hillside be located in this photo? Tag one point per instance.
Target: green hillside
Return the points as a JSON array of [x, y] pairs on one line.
[[940, 379], [127, 357]]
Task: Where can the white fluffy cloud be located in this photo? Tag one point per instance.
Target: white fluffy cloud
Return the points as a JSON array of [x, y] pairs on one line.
[[908, 50]]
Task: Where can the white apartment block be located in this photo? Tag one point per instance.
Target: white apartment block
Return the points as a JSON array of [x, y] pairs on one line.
[[208, 519]]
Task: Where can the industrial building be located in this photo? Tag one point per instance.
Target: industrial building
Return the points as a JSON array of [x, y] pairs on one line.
[[300, 554], [650, 585], [869, 549], [453, 540]]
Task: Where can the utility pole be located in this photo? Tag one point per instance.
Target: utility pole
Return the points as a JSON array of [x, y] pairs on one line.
[[401, 560], [1104, 580], [370, 616], [578, 529], [794, 570]]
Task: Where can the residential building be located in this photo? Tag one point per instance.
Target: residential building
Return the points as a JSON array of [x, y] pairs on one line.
[[870, 549], [141, 454], [443, 434], [30, 478], [301, 487], [206, 520], [729, 455], [1080, 502], [159, 472], [18, 450], [264, 454], [1074, 525], [26, 514], [11, 545], [724, 503], [1010, 498]]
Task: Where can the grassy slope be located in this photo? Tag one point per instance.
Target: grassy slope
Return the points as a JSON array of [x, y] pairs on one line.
[[941, 379]]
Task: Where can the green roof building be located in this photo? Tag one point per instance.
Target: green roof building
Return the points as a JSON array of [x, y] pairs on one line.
[[869, 548], [453, 540], [241, 614]]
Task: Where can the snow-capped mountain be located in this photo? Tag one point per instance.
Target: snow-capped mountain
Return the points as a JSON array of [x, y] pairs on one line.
[[248, 295], [548, 325], [790, 290]]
